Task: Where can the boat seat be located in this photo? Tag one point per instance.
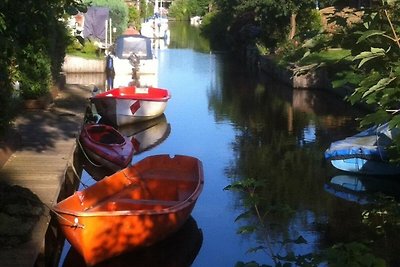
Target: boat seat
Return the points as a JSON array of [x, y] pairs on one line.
[[133, 204], [151, 202]]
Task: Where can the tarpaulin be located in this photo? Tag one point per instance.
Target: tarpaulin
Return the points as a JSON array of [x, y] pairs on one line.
[[95, 19]]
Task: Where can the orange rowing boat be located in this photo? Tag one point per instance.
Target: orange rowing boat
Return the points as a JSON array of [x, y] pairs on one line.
[[135, 207]]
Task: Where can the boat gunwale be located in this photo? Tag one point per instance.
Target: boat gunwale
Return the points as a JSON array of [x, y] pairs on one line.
[[134, 96], [108, 127], [115, 213]]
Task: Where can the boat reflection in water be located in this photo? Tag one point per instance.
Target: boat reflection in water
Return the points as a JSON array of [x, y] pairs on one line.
[[179, 250], [362, 189], [146, 135], [143, 135]]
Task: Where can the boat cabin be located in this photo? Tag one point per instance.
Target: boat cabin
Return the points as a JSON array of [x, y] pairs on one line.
[[125, 45]]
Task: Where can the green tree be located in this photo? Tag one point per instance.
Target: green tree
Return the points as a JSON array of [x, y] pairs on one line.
[[375, 70], [28, 27], [134, 16], [184, 9], [266, 21], [146, 9]]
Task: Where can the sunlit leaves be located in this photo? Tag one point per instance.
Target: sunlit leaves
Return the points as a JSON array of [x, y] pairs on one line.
[[378, 117], [368, 34], [382, 83], [368, 55]]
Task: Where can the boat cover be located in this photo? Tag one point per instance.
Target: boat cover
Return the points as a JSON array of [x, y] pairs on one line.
[[370, 144], [94, 25], [125, 45]]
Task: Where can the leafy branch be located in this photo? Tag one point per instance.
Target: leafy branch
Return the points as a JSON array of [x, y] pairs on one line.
[[256, 209]]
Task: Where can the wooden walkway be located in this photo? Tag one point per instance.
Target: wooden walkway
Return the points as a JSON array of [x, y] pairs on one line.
[[44, 153]]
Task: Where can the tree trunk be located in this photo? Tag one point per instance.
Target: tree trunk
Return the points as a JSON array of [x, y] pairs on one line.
[[292, 26]]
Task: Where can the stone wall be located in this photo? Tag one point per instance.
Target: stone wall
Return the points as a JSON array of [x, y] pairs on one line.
[[74, 64]]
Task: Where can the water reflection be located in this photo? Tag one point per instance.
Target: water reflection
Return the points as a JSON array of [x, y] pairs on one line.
[[146, 135], [281, 135], [179, 250], [362, 189], [93, 170], [184, 36]]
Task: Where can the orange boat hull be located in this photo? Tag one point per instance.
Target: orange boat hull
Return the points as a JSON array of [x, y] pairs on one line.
[[178, 250], [135, 207]]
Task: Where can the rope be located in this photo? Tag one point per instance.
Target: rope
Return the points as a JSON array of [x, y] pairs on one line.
[[78, 177], [73, 224], [86, 156]]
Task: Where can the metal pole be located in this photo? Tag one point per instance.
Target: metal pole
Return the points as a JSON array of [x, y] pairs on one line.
[[106, 28], [110, 31]]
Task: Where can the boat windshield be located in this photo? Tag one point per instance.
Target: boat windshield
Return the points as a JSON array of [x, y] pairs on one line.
[[126, 45]]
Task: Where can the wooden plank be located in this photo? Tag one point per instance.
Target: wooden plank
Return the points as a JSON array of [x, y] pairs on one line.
[[47, 143]]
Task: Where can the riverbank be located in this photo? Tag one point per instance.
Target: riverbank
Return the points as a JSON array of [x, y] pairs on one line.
[[38, 158], [313, 79]]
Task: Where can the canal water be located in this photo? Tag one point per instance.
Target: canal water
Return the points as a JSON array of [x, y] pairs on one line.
[[269, 195]]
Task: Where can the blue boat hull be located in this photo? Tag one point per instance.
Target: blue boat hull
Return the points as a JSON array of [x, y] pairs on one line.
[[363, 166], [365, 153]]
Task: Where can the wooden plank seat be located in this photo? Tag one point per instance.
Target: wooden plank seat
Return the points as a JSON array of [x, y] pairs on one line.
[[152, 202], [125, 204]]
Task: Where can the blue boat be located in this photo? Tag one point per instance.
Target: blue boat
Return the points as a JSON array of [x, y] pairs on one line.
[[365, 152]]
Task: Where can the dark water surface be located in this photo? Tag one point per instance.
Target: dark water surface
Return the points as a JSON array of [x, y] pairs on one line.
[[246, 128]]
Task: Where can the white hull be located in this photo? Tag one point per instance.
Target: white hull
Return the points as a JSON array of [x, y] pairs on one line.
[[369, 167], [126, 111]]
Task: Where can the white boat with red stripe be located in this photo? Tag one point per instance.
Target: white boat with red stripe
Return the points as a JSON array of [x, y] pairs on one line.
[[126, 105]]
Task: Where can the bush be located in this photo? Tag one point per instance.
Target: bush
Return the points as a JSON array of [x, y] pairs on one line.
[[89, 47], [35, 82]]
